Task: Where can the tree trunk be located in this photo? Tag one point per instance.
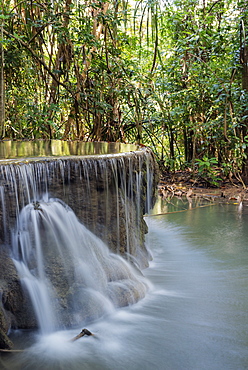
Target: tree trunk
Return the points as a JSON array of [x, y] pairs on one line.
[[82, 77], [2, 88], [244, 64]]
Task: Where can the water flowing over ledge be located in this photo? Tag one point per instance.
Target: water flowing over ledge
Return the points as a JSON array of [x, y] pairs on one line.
[[102, 196]]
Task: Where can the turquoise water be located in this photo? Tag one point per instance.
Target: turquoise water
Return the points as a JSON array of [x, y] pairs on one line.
[[200, 263], [195, 315]]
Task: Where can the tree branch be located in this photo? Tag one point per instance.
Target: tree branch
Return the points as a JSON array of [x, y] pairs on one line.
[[37, 58]]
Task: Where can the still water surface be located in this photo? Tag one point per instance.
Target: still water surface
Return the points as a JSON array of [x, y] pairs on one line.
[[194, 317]]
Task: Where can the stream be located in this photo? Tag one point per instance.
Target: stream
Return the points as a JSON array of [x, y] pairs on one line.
[[194, 316]]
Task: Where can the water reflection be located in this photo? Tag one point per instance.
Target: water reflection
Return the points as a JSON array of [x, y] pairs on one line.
[[44, 148]]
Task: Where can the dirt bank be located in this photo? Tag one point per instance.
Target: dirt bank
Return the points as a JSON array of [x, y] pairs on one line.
[[181, 183]]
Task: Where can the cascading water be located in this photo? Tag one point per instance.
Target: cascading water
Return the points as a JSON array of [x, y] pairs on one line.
[[66, 269], [65, 218]]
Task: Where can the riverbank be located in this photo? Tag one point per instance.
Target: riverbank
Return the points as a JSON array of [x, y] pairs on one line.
[[181, 183]]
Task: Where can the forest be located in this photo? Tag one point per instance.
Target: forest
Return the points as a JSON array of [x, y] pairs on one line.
[[171, 75]]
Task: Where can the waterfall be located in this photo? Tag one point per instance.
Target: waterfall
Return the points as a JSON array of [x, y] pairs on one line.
[[3, 209], [75, 230], [109, 194], [66, 269]]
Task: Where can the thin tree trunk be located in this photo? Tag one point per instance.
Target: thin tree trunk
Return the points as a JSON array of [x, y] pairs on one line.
[[2, 89], [82, 77], [244, 56], [244, 63]]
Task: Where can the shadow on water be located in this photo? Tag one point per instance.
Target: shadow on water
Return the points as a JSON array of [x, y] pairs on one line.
[[194, 316]]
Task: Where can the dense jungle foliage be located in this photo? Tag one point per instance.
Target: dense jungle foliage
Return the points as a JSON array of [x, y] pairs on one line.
[[172, 75]]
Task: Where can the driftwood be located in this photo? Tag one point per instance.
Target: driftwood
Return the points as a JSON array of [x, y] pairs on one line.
[[11, 350], [82, 334]]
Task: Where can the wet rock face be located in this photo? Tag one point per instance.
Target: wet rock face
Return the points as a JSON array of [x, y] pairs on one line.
[[15, 307], [108, 194]]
